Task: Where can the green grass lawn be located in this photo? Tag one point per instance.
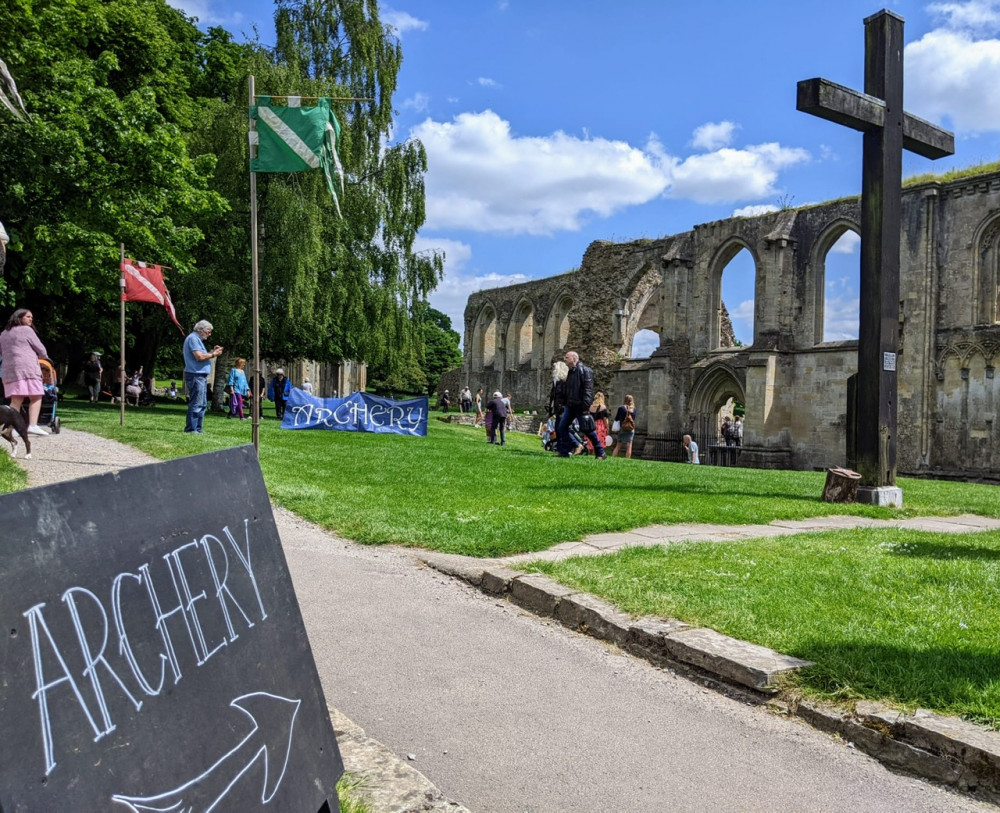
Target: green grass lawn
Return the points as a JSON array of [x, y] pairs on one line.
[[901, 616], [908, 617], [453, 492]]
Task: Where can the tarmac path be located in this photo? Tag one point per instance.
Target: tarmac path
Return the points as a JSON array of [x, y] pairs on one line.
[[507, 712]]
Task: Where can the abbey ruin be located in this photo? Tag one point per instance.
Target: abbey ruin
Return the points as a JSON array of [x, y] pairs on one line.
[[792, 384]]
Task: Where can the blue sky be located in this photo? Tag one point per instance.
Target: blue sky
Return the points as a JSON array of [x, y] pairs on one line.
[[550, 124]]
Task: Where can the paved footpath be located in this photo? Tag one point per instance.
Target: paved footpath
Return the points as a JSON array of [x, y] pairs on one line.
[[504, 711]]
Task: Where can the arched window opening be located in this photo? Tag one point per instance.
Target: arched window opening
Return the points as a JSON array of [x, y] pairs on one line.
[[484, 347], [841, 277], [525, 334], [644, 343], [987, 293], [737, 305]]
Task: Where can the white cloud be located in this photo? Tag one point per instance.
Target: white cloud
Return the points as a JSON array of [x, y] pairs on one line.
[[731, 175], [847, 244], [419, 102], [977, 15], [401, 22], [841, 313], [482, 177], [755, 209], [742, 320], [712, 136], [452, 294], [951, 75], [486, 82]]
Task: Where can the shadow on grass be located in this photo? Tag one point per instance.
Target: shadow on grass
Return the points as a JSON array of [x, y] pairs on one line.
[[661, 488], [944, 551], [949, 680]]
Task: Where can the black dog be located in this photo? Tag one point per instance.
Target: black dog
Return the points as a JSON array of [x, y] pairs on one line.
[[13, 421]]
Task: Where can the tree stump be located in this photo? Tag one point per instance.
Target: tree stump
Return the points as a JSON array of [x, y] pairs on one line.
[[841, 485]]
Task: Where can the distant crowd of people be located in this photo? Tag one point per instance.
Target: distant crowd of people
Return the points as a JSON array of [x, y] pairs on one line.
[[579, 419]]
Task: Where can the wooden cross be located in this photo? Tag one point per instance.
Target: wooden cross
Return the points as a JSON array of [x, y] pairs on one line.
[[879, 114]]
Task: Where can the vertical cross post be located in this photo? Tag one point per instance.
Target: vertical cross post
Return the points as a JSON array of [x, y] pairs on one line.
[[878, 113], [881, 204]]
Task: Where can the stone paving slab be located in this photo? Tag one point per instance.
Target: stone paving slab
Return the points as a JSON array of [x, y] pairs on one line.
[[604, 543], [731, 659]]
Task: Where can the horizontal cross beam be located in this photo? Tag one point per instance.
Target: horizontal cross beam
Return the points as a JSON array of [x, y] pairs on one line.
[[859, 111]]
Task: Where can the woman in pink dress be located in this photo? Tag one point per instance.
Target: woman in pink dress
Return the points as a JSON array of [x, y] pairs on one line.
[[20, 349]]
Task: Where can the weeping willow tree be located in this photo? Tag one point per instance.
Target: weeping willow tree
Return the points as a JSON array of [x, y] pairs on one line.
[[331, 287], [347, 287]]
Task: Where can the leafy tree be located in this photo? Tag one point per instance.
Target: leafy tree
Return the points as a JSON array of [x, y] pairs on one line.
[[101, 161], [137, 135], [331, 288], [441, 346]]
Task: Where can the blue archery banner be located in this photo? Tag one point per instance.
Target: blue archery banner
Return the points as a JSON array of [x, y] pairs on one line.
[[359, 412]]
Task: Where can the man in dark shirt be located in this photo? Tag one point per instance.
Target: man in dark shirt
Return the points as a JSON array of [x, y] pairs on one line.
[[579, 397]]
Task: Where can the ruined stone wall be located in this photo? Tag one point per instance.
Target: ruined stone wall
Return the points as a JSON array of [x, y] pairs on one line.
[[792, 383]]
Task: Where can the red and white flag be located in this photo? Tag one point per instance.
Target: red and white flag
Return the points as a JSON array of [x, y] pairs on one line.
[[144, 283]]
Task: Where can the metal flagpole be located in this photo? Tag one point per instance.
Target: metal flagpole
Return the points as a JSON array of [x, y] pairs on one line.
[[121, 351], [257, 377]]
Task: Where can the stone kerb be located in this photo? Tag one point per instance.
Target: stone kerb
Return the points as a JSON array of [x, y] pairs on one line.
[[656, 640], [944, 749]]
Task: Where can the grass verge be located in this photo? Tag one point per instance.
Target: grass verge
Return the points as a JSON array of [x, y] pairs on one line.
[[899, 616], [903, 616], [453, 492]]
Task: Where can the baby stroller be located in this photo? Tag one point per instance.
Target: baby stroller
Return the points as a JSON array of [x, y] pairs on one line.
[[50, 398]]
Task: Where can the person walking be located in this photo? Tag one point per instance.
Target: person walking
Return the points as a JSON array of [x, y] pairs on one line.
[[625, 419], [692, 450], [599, 412], [92, 372], [726, 432], [498, 418], [20, 349], [466, 400], [197, 366], [479, 407], [579, 397], [510, 412], [239, 388], [278, 391]]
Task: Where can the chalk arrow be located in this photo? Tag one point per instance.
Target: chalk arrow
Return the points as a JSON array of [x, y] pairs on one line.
[[273, 747]]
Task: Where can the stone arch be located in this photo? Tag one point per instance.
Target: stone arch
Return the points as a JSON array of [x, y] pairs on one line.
[[641, 308], [730, 247], [831, 233], [557, 326], [484, 339], [986, 282], [712, 390], [521, 335]]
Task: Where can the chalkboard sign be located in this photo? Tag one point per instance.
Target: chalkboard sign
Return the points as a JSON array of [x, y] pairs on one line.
[[154, 656]]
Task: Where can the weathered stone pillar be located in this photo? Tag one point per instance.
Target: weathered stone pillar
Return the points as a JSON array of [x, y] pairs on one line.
[[766, 441]]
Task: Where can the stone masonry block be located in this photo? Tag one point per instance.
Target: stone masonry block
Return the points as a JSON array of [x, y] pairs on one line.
[[497, 579], [737, 661], [595, 616], [974, 746], [539, 594], [647, 637], [462, 567]]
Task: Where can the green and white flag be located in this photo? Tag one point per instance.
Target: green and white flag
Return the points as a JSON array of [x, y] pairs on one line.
[[296, 139]]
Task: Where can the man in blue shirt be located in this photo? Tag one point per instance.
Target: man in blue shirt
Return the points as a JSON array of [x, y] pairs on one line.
[[197, 366]]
